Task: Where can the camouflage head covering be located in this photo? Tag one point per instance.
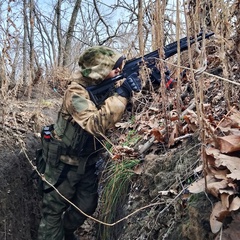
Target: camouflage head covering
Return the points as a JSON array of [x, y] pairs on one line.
[[97, 62]]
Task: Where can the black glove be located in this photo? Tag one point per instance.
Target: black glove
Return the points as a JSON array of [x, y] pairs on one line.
[[132, 83]]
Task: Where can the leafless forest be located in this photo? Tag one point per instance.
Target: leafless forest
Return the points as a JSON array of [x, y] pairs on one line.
[[41, 40]]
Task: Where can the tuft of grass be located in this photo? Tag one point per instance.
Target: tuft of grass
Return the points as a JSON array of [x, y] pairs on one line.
[[114, 193], [46, 104], [132, 138], [108, 146]]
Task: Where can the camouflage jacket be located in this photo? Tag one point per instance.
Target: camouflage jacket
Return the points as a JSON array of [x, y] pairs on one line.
[[78, 106], [80, 122]]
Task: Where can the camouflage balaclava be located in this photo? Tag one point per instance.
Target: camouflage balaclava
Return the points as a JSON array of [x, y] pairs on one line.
[[97, 62]]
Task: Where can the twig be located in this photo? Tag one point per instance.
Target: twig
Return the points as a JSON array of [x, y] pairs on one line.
[[206, 73], [224, 117], [192, 106], [8, 128], [147, 145], [183, 137], [5, 228]]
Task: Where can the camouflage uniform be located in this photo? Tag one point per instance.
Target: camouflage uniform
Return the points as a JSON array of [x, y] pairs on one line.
[[74, 148]]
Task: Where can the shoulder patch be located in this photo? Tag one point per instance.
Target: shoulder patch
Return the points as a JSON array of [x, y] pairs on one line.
[[79, 103]]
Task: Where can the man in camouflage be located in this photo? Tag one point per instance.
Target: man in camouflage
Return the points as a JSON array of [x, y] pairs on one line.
[[73, 146]]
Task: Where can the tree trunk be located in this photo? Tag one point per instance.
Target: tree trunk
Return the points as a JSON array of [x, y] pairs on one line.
[[59, 35], [70, 34], [46, 41], [140, 27], [13, 78], [25, 33], [2, 73], [31, 44]]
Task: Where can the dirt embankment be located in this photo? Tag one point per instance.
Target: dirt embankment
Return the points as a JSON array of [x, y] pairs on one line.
[[19, 200]]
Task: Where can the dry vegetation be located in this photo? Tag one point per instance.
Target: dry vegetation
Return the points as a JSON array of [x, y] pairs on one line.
[[203, 104]]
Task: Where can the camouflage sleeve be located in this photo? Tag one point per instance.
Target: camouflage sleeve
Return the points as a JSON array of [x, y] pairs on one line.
[[87, 115]]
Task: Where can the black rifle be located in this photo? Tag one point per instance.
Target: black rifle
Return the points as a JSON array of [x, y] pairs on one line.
[[99, 93]]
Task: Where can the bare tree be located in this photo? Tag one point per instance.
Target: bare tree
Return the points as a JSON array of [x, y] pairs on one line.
[[25, 34], [2, 73], [58, 28], [46, 41], [70, 34], [140, 27], [31, 39], [52, 38]]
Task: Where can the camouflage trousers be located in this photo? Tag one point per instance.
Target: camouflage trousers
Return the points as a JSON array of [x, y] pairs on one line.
[[58, 216]]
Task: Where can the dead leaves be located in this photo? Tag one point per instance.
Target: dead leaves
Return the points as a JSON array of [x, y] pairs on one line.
[[166, 129], [232, 232], [221, 211], [228, 144], [221, 155], [215, 221], [158, 134], [222, 170], [199, 186], [120, 152]]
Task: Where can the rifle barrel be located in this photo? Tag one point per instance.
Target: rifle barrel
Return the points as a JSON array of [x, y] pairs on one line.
[[171, 49]]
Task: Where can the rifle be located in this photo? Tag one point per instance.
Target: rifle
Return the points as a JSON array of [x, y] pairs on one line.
[[99, 93]]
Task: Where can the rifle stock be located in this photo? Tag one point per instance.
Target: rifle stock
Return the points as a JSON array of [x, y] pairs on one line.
[[99, 93]]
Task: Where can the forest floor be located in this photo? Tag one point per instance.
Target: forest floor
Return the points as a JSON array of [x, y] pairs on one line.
[[164, 208]]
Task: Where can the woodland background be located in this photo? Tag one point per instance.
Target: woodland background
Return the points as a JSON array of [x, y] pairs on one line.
[[42, 40], [177, 150]]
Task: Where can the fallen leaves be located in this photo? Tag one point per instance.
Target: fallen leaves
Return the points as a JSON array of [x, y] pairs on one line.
[[221, 152], [120, 152], [232, 232], [222, 170], [228, 144], [199, 186], [218, 210], [159, 136]]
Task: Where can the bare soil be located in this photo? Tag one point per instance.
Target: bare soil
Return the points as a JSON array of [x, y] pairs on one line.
[[19, 200], [19, 139]]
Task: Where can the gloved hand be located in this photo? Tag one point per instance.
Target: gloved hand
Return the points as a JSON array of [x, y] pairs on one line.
[[132, 83]]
